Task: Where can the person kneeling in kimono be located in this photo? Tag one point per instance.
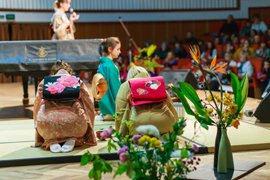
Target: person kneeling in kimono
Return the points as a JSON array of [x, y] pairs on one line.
[[63, 122], [161, 115]]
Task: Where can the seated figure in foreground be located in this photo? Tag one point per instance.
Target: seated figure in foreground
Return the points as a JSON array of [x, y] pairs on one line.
[[162, 115], [63, 122]]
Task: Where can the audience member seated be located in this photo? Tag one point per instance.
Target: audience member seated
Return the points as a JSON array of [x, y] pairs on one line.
[[244, 66], [61, 125], [267, 37], [228, 48], [235, 42], [209, 53], [263, 51], [162, 52], [245, 47], [179, 50], [258, 24], [264, 75], [170, 60], [251, 37], [162, 115], [257, 42], [190, 39], [246, 29]]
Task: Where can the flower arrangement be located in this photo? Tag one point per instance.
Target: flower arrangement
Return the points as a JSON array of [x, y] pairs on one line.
[[221, 110], [146, 157]]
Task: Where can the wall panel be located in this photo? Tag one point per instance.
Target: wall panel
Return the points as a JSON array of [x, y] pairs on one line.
[[108, 5]]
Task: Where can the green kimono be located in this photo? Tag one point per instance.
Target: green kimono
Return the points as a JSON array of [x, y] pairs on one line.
[[110, 72]]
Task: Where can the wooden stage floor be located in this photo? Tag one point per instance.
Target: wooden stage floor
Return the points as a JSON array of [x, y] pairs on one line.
[[12, 112]]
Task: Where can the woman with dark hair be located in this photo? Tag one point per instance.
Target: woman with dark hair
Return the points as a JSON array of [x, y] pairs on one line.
[[209, 53], [264, 75]]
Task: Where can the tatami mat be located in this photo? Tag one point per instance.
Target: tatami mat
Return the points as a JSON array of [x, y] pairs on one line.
[[17, 139]]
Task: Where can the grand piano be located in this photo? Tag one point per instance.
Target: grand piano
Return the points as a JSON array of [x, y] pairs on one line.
[[35, 58]]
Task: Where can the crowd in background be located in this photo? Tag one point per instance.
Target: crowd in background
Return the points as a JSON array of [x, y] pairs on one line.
[[232, 44]]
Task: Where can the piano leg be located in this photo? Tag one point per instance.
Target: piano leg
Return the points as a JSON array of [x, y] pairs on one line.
[[36, 84], [25, 90]]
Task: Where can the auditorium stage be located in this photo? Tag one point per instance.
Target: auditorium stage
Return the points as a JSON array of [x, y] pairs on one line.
[[17, 135]]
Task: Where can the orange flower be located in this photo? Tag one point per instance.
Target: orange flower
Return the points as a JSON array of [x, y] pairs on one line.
[[195, 53], [213, 63], [235, 123], [220, 68]]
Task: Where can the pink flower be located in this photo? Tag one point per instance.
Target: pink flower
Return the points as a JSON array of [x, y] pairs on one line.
[[123, 157], [55, 88], [123, 149], [68, 81], [136, 137], [123, 154], [106, 134]]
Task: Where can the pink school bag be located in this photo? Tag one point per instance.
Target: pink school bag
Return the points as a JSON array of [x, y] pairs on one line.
[[147, 90]]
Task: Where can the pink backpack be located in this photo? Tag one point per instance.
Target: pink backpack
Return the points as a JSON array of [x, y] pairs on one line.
[[147, 90]]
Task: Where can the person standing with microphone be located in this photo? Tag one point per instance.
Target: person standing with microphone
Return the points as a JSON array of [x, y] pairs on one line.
[[63, 27]]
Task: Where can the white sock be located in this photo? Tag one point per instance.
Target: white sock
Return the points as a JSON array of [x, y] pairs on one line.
[[68, 146], [55, 148]]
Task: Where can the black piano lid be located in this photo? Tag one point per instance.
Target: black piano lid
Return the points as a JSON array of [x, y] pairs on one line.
[[35, 56]]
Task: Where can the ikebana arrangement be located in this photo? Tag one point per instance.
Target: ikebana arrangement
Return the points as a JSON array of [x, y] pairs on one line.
[[217, 109]]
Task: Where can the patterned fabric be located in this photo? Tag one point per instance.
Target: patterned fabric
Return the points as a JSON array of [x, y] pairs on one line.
[[162, 115], [147, 90], [61, 87], [62, 28], [59, 121]]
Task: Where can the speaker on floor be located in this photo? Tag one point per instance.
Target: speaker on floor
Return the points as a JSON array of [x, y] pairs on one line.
[[262, 111], [181, 75]]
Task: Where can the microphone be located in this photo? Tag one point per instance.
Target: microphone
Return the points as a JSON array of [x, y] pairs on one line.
[[71, 10]]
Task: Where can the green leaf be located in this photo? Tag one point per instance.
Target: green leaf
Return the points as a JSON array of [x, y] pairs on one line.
[[244, 87], [129, 123], [111, 145], [230, 120], [165, 137], [121, 169], [236, 89], [97, 175], [183, 101], [91, 173], [108, 167], [184, 153], [86, 158], [204, 120], [205, 126], [190, 93]]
